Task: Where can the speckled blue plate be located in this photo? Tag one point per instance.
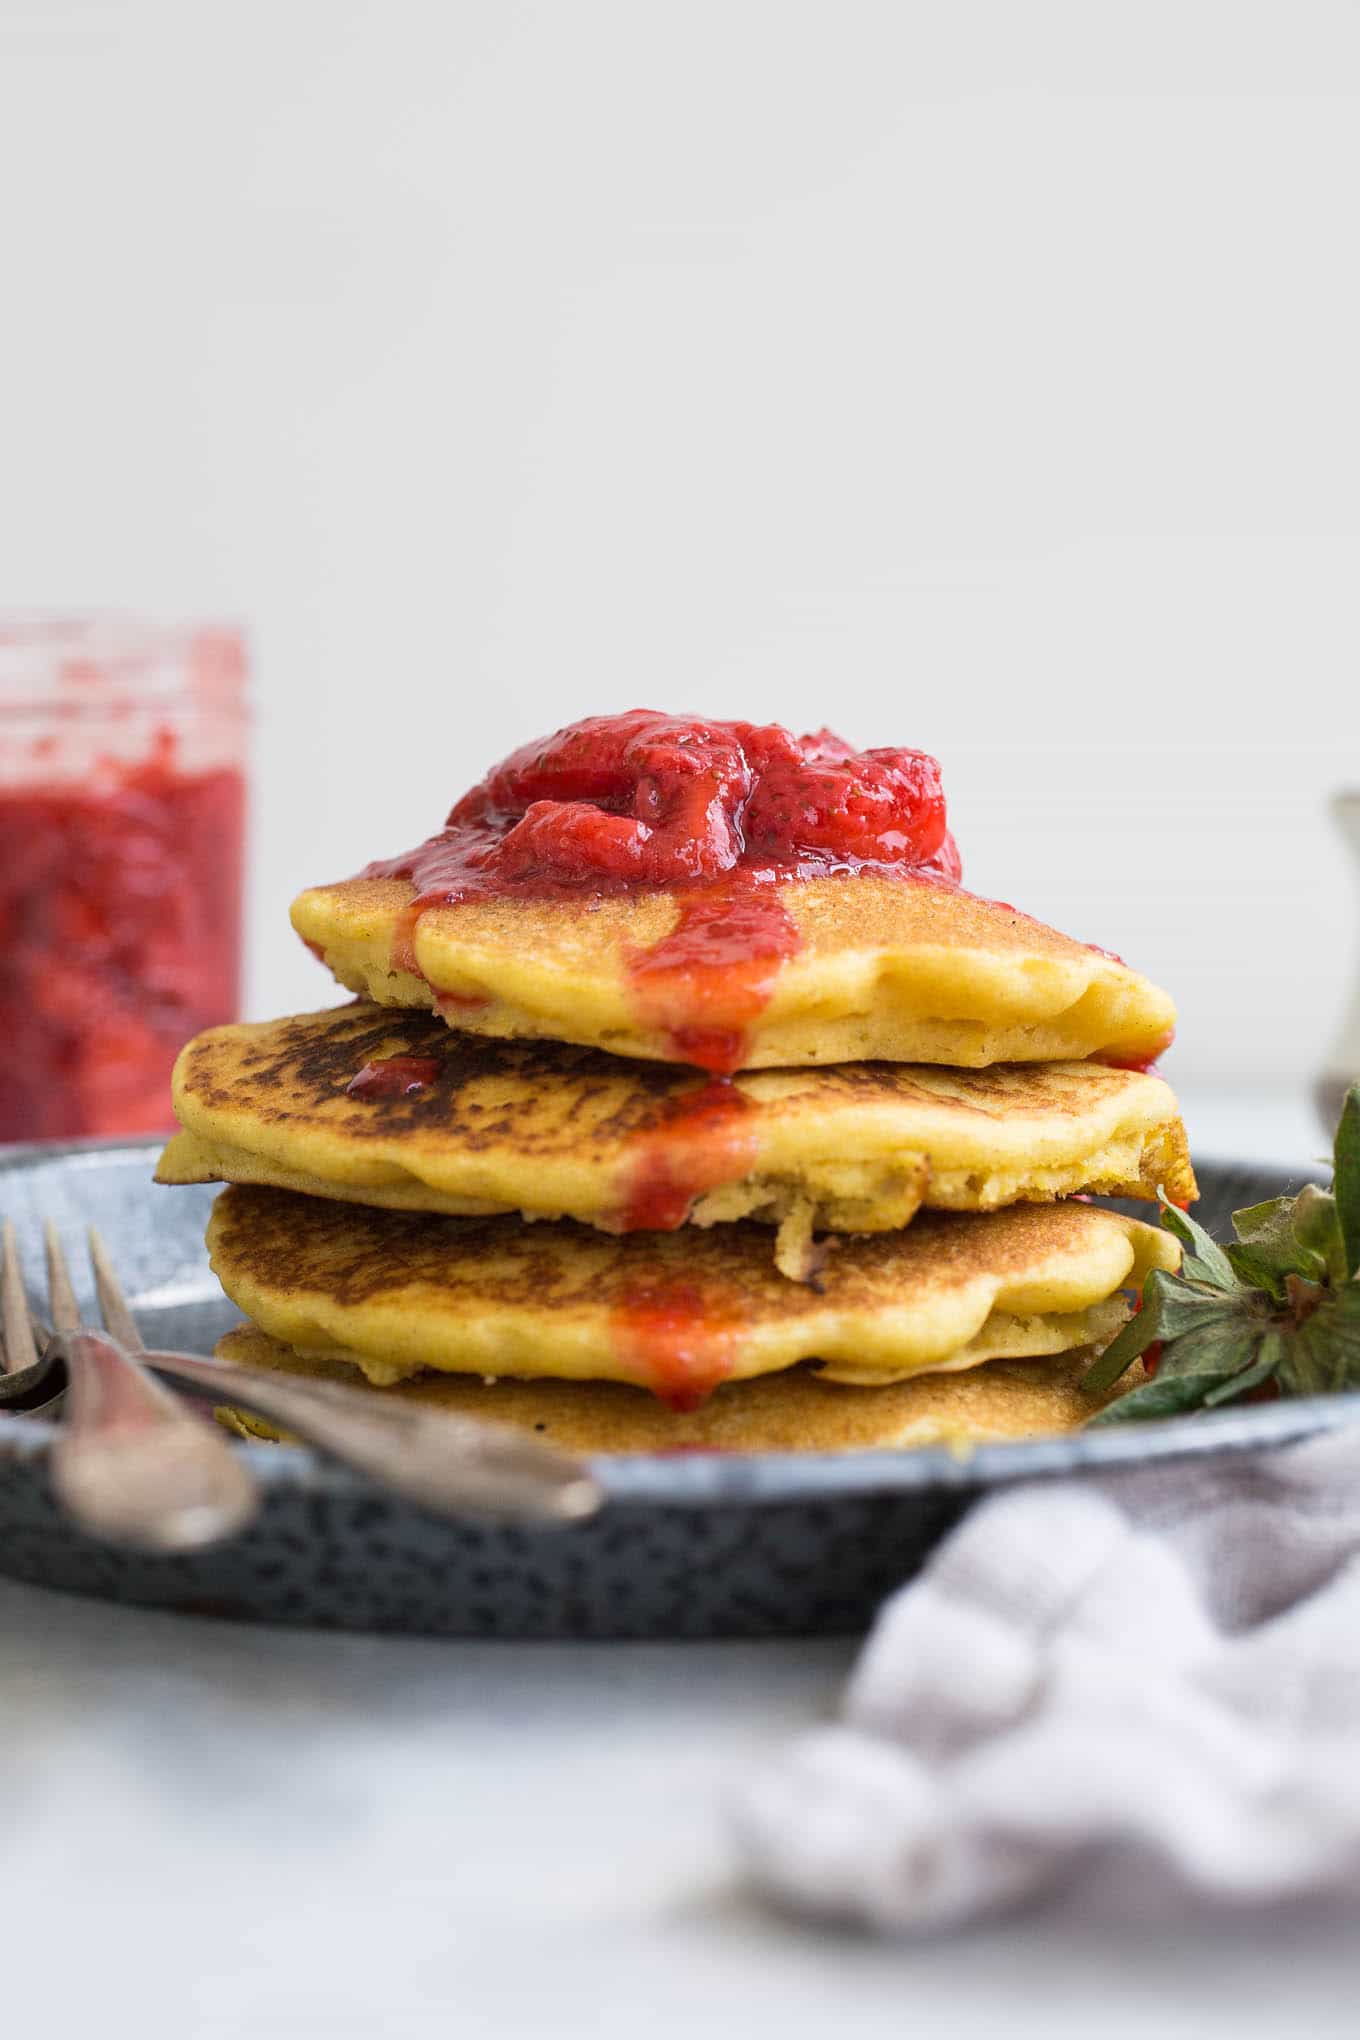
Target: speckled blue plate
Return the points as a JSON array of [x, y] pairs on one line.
[[718, 1545]]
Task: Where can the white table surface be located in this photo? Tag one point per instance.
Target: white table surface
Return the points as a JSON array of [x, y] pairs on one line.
[[211, 1829]]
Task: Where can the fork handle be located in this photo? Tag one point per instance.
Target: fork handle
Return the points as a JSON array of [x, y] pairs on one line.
[[452, 1465], [134, 1465]]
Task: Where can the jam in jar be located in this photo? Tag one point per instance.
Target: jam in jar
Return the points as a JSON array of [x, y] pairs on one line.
[[122, 798]]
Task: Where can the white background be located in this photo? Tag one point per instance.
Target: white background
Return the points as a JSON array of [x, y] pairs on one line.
[[983, 377]]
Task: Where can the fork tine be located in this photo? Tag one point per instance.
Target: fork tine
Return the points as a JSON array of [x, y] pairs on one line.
[[17, 1348], [112, 1303], [61, 1299]]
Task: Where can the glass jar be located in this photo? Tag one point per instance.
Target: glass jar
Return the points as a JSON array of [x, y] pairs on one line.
[[122, 812]]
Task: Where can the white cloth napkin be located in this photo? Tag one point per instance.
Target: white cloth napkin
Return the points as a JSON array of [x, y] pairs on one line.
[[1141, 1693]]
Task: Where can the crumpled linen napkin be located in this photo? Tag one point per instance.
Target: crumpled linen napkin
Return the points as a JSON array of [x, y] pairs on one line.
[[1139, 1693]]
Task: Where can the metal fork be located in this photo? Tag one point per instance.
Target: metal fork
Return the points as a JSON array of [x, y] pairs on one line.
[[130, 1462], [453, 1465]]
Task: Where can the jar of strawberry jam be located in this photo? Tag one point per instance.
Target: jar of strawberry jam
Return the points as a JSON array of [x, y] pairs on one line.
[[122, 801]]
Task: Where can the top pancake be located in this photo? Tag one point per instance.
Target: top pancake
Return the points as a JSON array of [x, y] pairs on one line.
[[555, 1131], [894, 970]]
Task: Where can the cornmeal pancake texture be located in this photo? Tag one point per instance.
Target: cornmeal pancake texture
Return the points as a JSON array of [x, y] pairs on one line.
[[678, 1312], [895, 970], [553, 1131], [795, 1411]]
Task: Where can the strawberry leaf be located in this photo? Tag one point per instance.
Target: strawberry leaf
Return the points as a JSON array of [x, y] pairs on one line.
[[1269, 1244], [1346, 1182], [1202, 1260], [1168, 1396], [1317, 1227], [1269, 1353], [1223, 1346], [1257, 1267], [1127, 1345], [1280, 1303], [1323, 1356]]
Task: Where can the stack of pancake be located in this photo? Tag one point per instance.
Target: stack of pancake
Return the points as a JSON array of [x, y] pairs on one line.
[[492, 1180]]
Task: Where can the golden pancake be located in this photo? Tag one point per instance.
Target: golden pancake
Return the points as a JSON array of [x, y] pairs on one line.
[[677, 1312], [795, 1411], [553, 1131], [881, 969]]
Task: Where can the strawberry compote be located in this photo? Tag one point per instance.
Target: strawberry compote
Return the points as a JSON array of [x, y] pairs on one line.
[[121, 818], [719, 815], [700, 1139]]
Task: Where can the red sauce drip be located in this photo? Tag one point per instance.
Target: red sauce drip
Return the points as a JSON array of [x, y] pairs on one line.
[[404, 940], [704, 983], [668, 1337], [120, 915], [460, 1002], [394, 1076], [720, 813], [703, 1138], [1145, 1065]]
